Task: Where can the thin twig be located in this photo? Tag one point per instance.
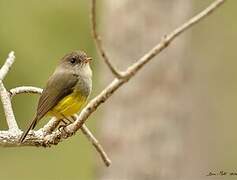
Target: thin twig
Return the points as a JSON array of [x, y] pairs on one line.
[[5, 98], [96, 144], [50, 126], [166, 40], [99, 44], [24, 90], [7, 65], [7, 106]]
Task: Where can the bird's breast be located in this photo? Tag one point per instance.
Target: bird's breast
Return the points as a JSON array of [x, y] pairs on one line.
[[69, 105], [83, 86]]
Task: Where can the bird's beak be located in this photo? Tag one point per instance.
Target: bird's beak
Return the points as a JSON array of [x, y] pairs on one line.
[[89, 59]]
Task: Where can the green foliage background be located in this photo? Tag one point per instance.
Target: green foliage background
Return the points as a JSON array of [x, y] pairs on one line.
[[40, 33]]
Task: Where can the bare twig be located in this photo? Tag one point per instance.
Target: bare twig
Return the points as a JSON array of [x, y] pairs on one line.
[[50, 126], [7, 106], [95, 143], [5, 98], [24, 90], [169, 38], [129, 73], [98, 42], [7, 65]]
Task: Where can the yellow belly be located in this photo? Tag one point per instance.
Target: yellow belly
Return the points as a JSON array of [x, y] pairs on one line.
[[69, 105]]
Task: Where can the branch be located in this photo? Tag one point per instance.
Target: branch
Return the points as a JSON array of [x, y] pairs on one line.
[[169, 38], [99, 44], [50, 126], [96, 144], [25, 90], [53, 123], [129, 73], [7, 65], [5, 98]]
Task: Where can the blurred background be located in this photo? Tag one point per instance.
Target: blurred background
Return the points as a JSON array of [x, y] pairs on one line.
[[174, 120]]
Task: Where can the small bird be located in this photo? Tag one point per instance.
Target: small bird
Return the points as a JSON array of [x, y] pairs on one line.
[[66, 90]]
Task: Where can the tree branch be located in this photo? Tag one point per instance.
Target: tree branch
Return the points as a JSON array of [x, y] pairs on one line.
[[99, 44], [166, 40], [53, 123], [129, 73], [5, 98], [7, 65], [25, 90], [96, 144]]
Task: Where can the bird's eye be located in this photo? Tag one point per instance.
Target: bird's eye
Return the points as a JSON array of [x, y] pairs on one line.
[[73, 60]]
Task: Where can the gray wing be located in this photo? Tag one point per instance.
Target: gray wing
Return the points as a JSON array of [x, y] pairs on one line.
[[58, 86]]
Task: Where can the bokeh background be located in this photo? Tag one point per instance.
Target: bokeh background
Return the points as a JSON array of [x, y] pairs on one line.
[[175, 120]]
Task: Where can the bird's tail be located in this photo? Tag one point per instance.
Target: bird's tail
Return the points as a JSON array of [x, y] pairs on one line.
[[30, 127]]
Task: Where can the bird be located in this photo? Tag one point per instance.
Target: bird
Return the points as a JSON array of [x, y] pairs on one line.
[[66, 90]]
